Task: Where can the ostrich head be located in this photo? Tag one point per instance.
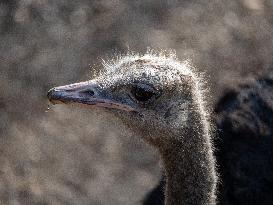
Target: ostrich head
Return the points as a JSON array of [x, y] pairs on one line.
[[159, 99], [150, 93]]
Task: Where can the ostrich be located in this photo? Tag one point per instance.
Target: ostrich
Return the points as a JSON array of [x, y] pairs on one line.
[[243, 146], [159, 99]]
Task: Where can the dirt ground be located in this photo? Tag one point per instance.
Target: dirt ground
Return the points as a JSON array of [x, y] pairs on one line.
[[71, 156]]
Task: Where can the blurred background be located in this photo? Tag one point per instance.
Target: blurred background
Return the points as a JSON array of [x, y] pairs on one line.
[[74, 156]]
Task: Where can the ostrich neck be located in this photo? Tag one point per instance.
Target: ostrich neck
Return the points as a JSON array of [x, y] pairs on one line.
[[189, 166]]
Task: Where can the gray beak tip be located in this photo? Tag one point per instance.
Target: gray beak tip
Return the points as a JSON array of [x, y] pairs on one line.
[[50, 93], [53, 95]]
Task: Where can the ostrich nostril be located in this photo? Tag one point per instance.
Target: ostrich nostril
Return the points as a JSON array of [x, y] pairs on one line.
[[90, 92]]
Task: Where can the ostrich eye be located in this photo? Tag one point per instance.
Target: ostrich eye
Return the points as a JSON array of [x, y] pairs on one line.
[[143, 93]]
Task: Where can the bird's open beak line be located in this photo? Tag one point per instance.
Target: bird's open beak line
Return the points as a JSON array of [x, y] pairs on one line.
[[83, 94]]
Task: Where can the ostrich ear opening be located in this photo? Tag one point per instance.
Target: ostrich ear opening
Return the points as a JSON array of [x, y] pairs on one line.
[[85, 94]]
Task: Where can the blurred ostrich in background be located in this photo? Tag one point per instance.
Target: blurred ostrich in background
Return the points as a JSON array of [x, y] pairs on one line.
[[244, 146]]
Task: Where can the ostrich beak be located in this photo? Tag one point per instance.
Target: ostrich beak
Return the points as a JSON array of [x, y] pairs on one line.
[[86, 94]]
